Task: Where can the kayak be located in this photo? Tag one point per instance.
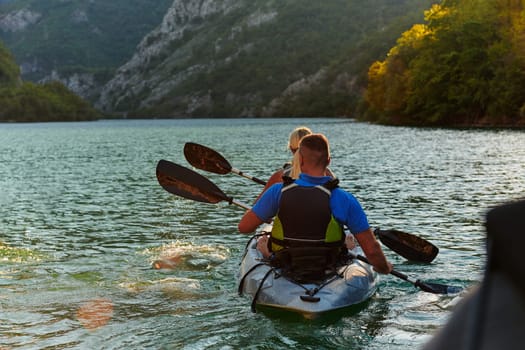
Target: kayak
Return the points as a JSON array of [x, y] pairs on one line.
[[354, 284]]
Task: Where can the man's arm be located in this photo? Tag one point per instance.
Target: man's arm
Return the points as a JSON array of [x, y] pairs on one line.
[[373, 251], [249, 222]]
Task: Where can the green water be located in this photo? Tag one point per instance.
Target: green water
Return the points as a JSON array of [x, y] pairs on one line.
[[82, 218]]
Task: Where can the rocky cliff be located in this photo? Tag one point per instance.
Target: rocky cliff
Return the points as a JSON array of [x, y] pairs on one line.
[[153, 70]]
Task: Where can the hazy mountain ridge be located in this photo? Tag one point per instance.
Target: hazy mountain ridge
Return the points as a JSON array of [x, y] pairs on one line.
[[244, 58]]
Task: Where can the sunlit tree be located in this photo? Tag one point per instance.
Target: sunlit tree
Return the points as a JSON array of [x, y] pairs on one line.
[[464, 66]]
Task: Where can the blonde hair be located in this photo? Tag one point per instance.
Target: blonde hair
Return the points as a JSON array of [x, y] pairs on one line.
[[296, 135], [293, 144]]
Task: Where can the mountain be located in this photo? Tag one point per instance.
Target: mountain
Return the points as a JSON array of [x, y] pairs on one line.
[[207, 57], [258, 57], [79, 42]]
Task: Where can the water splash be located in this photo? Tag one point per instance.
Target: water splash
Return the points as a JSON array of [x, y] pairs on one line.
[[186, 255]]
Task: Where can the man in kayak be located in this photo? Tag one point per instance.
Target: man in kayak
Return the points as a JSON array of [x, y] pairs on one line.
[[312, 209], [293, 169]]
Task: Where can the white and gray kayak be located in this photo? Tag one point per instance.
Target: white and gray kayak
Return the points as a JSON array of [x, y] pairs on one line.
[[354, 284]]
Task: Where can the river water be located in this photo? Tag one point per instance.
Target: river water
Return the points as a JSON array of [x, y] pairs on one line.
[[82, 218]]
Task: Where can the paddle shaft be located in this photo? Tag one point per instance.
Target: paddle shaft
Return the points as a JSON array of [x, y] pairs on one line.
[[424, 286], [254, 179], [240, 204]]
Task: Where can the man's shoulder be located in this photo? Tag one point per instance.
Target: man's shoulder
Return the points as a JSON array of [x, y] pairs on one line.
[[272, 191], [338, 191], [340, 194]]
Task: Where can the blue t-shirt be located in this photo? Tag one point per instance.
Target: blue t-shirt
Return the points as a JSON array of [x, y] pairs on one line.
[[345, 207]]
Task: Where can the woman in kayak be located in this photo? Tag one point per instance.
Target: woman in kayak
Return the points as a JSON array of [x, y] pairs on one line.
[[291, 169], [313, 210]]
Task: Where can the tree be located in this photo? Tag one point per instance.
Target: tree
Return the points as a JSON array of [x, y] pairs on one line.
[[464, 67], [9, 71]]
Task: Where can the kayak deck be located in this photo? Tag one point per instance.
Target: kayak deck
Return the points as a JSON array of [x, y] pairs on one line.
[[353, 284]]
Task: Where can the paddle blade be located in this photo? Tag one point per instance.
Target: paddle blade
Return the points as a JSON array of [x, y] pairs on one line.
[[186, 183], [409, 246], [205, 158]]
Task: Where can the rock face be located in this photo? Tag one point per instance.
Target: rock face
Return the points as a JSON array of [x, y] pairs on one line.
[[19, 20], [138, 77], [82, 84], [165, 61], [241, 58]]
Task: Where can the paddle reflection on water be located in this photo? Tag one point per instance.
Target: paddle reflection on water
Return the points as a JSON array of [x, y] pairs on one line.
[[169, 262]]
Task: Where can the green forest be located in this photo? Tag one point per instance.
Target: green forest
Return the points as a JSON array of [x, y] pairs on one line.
[[29, 102], [465, 66]]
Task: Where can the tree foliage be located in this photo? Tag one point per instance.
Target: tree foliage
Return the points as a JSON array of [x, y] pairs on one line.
[[29, 102], [9, 71], [464, 66]]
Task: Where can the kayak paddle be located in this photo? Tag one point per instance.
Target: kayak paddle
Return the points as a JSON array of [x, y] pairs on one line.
[[205, 158], [407, 245], [429, 287], [189, 184]]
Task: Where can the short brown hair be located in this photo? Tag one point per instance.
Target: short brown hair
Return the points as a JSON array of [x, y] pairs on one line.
[[315, 149]]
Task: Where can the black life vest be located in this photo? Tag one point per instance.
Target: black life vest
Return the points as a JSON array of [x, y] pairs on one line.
[[307, 240]]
